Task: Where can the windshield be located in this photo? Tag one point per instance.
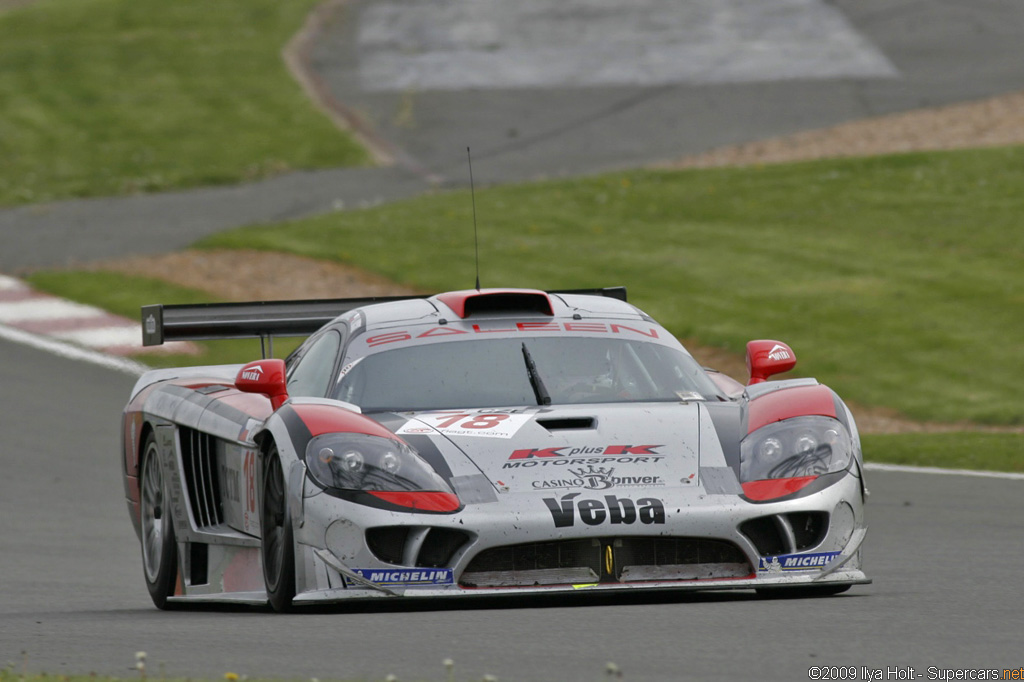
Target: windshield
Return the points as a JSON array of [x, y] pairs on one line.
[[510, 372]]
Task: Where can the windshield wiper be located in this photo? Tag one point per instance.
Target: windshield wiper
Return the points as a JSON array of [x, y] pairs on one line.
[[543, 397]]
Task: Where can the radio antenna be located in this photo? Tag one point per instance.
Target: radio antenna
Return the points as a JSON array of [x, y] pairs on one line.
[[476, 238]]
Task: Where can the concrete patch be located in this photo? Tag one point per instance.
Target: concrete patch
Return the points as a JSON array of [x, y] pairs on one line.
[[461, 44]]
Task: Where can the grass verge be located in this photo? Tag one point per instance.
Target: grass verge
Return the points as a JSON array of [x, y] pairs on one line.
[[898, 280], [105, 97], [125, 295], [956, 450]]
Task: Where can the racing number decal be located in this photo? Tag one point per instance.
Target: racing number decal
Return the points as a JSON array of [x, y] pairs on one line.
[[480, 424], [480, 421]]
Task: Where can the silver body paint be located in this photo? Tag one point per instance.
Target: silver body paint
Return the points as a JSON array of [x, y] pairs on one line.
[[614, 476]]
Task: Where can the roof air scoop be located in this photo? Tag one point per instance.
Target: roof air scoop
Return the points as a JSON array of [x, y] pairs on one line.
[[473, 302]]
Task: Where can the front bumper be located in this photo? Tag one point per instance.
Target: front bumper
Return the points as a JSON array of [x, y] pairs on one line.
[[335, 562]]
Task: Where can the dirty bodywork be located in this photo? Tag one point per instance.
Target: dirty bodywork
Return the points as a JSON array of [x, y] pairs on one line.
[[482, 442]]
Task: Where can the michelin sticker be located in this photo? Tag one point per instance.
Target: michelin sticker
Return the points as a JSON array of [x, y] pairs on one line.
[[406, 577], [787, 563], [466, 423]]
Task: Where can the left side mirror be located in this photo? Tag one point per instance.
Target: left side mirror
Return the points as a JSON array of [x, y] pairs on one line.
[[766, 357], [266, 377]]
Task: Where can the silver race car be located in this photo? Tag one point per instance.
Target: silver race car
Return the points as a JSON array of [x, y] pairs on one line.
[[482, 442]]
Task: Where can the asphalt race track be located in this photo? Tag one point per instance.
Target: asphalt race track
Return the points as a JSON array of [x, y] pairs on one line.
[[945, 552]]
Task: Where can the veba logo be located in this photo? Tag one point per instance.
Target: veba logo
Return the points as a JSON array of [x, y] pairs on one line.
[[613, 509]]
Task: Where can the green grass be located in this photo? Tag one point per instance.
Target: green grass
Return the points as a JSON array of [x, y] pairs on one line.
[[104, 97], [123, 295], [898, 280], [956, 450]]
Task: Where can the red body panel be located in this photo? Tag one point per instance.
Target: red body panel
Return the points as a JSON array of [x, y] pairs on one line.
[[790, 402], [320, 419], [769, 489], [423, 501]]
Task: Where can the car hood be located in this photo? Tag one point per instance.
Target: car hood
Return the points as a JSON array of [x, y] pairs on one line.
[[577, 448]]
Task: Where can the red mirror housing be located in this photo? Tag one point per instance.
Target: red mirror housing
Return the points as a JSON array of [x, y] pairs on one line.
[[766, 357], [266, 377]]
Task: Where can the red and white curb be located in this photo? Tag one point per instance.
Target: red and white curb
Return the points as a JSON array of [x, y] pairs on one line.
[[42, 315]]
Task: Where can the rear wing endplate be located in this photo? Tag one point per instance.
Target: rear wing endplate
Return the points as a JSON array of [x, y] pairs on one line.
[[262, 319]]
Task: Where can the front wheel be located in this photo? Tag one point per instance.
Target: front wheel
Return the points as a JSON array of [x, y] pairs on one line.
[[159, 550], [278, 547]]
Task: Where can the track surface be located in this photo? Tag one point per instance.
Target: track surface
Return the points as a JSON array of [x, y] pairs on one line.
[[945, 552]]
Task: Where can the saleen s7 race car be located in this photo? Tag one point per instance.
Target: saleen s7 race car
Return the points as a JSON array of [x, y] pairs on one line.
[[481, 442]]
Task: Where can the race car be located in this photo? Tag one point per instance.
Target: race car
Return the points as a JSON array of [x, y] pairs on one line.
[[480, 443]]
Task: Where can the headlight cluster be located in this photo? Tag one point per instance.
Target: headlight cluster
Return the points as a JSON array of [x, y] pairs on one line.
[[802, 446], [353, 461]]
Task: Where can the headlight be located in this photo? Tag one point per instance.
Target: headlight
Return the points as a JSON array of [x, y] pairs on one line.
[[353, 461], [802, 446]]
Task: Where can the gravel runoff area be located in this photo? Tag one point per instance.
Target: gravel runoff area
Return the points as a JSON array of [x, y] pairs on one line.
[[255, 275]]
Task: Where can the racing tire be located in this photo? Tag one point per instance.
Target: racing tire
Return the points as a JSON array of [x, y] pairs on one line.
[[802, 592], [159, 548], [277, 544]]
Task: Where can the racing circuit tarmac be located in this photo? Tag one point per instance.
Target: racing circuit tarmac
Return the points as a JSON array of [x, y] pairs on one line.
[[945, 552]]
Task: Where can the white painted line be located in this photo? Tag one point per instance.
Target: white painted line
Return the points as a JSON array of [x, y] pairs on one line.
[[103, 336], [1005, 475], [11, 284], [46, 309], [66, 350]]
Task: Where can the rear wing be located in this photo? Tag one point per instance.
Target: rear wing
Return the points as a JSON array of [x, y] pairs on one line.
[[263, 319]]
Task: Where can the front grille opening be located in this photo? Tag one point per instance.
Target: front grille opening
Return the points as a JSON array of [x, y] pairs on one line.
[[539, 563], [809, 528], [440, 546], [607, 560], [432, 547], [539, 556], [388, 543], [765, 535], [640, 559]]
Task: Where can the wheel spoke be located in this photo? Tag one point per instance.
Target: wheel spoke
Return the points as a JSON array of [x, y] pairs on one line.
[[152, 513]]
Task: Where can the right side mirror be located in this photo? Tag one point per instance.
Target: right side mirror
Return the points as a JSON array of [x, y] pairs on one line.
[[766, 357]]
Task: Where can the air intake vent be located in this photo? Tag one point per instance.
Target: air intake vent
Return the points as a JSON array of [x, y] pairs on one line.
[[786, 533], [567, 423], [425, 547], [508, 303], [473, 302], [201, 478], [809, 528]]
